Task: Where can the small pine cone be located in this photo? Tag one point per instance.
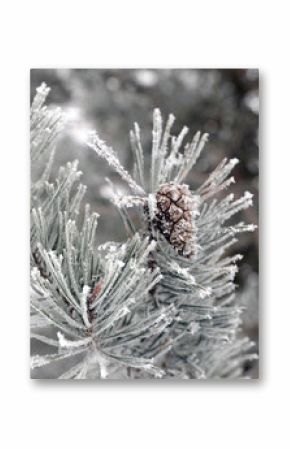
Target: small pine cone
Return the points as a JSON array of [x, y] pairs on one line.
[[41, 265], [175, 217]]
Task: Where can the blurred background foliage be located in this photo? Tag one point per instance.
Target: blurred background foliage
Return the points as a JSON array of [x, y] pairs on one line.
[[222, 102]]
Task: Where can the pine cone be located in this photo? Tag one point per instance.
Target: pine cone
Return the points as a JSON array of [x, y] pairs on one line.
[[175, 217]]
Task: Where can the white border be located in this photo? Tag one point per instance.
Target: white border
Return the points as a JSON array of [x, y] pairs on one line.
[[153, 34]]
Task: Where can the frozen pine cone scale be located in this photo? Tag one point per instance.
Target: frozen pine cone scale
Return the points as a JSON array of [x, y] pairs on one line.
[[176, 209]]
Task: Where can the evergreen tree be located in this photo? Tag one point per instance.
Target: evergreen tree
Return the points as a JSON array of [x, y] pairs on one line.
[[162, 303]]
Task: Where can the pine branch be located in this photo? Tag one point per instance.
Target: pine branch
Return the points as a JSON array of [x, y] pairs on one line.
[[200, 283], [161, 304]]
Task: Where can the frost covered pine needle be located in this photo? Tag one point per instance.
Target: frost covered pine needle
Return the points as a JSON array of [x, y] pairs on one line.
[[160, 305]]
